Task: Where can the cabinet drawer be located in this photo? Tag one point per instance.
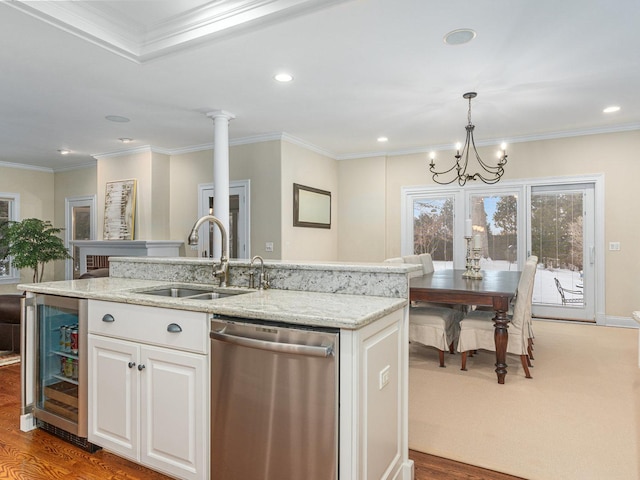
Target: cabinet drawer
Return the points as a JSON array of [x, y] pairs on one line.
[[150, 325]]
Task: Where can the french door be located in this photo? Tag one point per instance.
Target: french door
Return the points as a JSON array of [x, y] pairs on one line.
[[554, 219], [561, 234]]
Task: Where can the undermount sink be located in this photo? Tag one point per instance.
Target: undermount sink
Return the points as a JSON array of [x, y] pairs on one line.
[[213, 295], [190, 293], [176, 292]]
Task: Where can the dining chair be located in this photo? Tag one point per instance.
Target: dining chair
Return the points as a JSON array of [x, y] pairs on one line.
[[427, 263], [528, 319], [432, 325], [477, 330], [437, 327]]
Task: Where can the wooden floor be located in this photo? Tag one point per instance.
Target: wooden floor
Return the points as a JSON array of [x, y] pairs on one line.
[[38, 455]]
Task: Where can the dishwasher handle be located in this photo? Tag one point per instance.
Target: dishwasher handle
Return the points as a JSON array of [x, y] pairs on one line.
[[292, 348]]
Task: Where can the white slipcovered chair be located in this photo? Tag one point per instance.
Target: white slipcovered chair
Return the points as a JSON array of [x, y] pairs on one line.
[[432, 326], [437, 327], [477, 330], [528, 320]]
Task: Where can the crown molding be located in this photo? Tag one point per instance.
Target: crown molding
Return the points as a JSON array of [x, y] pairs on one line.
[[283, 136], [132, 151], [75, 167], [321, 151], [267, 137], [103, 24], [26, 167], [487, 143]]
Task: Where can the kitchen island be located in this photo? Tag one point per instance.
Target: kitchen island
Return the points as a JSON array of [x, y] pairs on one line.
[[366, 303]]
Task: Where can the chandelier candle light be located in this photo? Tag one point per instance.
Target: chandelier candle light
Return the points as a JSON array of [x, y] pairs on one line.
[[489, 174]]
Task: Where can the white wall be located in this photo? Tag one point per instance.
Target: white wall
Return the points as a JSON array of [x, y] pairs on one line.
[[362, 210], [36, 190], [259, 163], [305, 167], [71, 183]]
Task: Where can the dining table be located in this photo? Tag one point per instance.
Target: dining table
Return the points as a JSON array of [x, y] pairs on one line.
[[495, 289]]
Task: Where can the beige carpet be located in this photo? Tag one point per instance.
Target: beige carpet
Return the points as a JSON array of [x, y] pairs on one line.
[[577, 419]]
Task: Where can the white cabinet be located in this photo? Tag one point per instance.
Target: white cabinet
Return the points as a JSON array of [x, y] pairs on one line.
[[149, 402], [374, 400]]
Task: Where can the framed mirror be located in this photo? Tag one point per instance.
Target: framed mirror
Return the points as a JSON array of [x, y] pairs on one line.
[[311, 207]]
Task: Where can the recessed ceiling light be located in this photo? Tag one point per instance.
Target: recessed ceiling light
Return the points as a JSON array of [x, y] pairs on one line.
[[64, 151], [459, 36], [383, 139], [283, 77], [126, 140], [611, 109], [117, 118]]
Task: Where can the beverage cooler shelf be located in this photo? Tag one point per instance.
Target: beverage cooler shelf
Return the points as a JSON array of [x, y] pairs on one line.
[[68, 367], [65, 354], [66, 379], [62, 398]]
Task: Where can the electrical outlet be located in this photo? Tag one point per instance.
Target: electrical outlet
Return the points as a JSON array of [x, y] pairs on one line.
[[384, 377], [268, 247], [614, 246]]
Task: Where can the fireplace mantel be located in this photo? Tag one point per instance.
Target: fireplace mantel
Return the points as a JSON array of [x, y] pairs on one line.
[[125, 248]]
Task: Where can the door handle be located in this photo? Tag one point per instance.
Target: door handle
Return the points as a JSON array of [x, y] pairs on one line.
[[108, 318], [592, 254], [132, 364], [174, 328], [141, 367], [291, 348]]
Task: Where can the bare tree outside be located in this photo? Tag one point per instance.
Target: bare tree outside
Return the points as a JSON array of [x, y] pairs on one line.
[[433, 228]]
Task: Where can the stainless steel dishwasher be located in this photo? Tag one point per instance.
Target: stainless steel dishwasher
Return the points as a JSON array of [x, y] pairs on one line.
[[274, 401]]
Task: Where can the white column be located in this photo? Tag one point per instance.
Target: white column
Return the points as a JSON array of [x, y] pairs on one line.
[[220, 173]]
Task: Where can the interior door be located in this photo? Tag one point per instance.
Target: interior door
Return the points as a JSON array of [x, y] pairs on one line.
[[238, 220], [562, 236], [80, 224]]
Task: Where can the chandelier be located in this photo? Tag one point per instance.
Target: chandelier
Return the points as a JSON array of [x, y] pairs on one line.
[[489, 174]]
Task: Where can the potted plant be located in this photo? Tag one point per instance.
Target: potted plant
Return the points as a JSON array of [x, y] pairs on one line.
[[31, 243]]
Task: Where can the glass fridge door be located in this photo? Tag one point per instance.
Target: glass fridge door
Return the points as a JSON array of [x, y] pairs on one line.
[[58, 367]]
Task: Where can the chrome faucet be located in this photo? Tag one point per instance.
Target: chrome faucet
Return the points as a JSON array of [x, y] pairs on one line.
[[223, 272], [263, 282]]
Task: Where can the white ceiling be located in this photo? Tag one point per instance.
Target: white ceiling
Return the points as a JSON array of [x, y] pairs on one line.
[[362, 68]]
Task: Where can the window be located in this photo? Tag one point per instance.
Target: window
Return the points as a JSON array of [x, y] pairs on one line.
[[495, 219], [9, 203], [433, 229]]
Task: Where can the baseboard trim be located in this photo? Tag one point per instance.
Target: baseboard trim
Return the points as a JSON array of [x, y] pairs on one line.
[[626, 322]]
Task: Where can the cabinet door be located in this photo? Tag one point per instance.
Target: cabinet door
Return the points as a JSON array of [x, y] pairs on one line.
[[113, 395], [174, 421]]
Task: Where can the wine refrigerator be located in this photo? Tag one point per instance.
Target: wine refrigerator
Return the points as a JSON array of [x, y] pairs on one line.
[[55, 377]]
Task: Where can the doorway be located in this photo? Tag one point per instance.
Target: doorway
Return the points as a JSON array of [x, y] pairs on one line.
[[239, 220], [80, 224], [562, 236]]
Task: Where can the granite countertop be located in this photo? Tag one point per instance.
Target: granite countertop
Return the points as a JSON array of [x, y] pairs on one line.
[[295, 307]]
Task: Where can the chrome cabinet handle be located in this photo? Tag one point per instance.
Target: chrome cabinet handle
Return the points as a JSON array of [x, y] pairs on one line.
[[141, 367], [108, 318], [174, 328], [132, 364]]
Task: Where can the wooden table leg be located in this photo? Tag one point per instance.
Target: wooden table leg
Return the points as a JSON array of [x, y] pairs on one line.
[[501, 336]]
